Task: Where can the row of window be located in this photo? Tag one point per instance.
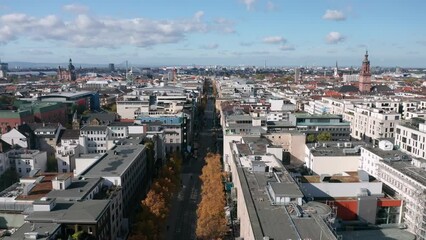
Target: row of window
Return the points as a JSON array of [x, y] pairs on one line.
[[93, 132], [96, 139]]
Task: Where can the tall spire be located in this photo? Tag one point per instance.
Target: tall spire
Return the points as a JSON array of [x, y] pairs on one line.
[[365, 75]]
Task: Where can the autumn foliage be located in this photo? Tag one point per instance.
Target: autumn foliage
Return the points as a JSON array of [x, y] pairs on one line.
[[211, 221], [156, 205]]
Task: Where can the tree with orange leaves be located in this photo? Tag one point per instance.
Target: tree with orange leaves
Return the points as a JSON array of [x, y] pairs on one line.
[[156, 205], [211, 221]]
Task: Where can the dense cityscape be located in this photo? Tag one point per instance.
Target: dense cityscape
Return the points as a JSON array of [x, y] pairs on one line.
[[257, 150]]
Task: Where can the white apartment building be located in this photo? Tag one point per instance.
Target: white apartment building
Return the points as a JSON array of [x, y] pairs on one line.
[[96, 139], [332, 157], [130, 109], [350, 78], [373, 124], [68, 149], [411, 137], [277, 116], [26, 160], [405, 179], [415, 114]]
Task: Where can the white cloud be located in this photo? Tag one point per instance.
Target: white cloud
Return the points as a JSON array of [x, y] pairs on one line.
[[271, 6], [198, 16], [88, 31], [75, 8], [334, 38], [249, 4], [274, 40], [224, 25], [334, 15], [246, 44], [37, 52], [251, 53], [210, 46], [287, 48]]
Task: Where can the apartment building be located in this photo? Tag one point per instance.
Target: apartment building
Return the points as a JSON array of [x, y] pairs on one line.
[[332, 157], [403, 178], [175, 126], [131, 108], [96, 139], [371, 124], [47, 136], [66, 188], [68, 149], [410, 137], [25, 160]]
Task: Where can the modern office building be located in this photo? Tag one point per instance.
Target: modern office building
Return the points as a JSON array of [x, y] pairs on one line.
[[317, 123]]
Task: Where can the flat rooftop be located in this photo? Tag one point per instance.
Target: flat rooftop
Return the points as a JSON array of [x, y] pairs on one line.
[[315, 116], [413, 123], [416, 173], [387, 154], [68, 94], [77, 190], [387, 233], [336, 148], [72, 212], [114, 165], [40, 228], [275, 221], [351, 177]]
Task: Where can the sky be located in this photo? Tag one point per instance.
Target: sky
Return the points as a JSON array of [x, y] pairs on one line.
[[215, 32]]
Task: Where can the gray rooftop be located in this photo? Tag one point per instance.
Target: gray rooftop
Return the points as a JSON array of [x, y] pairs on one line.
[[114, 165], [275, 221], [87, 211], [40, 228], [386, 233], [94, 128], [416, 173], [401, 162], [78, 190], [388, 154], [286, 189], [336, 148]]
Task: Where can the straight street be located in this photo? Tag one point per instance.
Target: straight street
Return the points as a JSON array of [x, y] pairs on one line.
[[183, 215]]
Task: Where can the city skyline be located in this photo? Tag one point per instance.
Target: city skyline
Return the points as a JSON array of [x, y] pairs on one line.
[[233, 32]]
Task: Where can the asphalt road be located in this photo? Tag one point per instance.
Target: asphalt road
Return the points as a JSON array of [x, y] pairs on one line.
[[183, 215]]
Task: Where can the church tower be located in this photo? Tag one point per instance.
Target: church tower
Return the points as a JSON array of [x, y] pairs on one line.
[[75, 122], [365, 75], [336, 71], [71, 70]]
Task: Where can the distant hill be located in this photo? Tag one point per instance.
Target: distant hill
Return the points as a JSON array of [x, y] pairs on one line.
[[19, 65]]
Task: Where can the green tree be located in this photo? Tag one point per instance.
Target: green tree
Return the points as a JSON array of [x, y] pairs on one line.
[[324, 136], [310, 138]]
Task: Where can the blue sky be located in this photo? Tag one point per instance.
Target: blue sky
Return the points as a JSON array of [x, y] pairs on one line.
[[215, 32]]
